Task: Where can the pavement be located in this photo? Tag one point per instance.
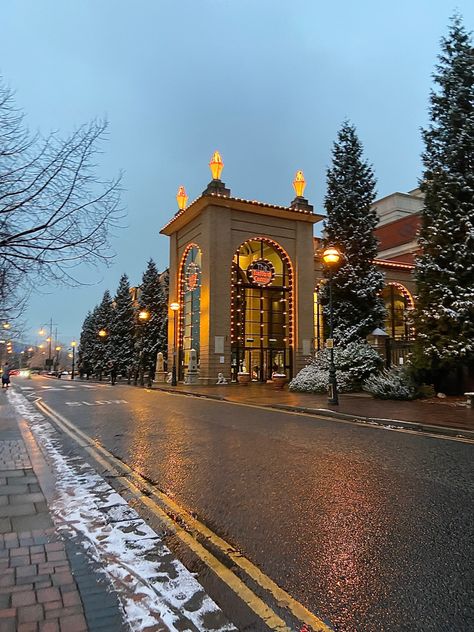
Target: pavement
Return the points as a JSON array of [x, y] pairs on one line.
[[74, 556], [448, 415]]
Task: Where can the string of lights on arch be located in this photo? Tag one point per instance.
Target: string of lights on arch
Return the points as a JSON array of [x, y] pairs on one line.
[[182, 277], [236, 287]]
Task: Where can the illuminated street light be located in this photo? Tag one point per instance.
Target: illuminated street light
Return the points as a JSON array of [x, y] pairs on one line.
[[102, 333], [73, 356], [6, 325], [331, 257], [41, 332], [144, 315]]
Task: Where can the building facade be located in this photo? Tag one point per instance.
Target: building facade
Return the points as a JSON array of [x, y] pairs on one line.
[[244, 276]]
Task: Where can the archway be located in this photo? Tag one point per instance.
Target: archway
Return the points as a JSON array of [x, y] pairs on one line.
[[262, 309], [398, 301], [189, 321]]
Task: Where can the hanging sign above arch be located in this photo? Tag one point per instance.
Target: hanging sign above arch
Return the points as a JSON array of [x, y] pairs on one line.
[[261, 272]]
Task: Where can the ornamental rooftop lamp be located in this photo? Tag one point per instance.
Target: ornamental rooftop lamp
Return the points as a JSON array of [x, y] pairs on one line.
[[216, 186], [216, 165], [299, 183], [181, 198], [300, 203]]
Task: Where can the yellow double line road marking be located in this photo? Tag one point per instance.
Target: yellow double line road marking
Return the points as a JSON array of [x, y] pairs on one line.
[[161, 505]]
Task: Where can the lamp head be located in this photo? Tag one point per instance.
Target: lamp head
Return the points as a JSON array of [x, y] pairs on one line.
[[331, 256], [143, 315], [174, 307], [102, 333]]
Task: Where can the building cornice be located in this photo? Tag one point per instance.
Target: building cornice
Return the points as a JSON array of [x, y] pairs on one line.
[[238, 204]]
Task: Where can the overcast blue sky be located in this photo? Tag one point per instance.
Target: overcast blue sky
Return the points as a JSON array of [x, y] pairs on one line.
[[267, 82]]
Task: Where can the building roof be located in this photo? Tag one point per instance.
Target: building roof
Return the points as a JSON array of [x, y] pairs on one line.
[[252, 206]]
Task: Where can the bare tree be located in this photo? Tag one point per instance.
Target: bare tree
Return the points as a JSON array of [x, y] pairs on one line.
[[55, 213]]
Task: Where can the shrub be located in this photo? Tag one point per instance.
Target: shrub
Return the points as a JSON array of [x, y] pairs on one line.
[[354, 363], [391, 384]]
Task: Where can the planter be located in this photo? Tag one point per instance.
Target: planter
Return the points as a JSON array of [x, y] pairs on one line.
[[279, 381], [243, 378]]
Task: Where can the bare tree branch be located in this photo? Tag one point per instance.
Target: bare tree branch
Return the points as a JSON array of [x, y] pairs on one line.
[[55, 213]]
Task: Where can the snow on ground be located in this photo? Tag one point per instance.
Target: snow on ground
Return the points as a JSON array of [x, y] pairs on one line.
[[152, 585]]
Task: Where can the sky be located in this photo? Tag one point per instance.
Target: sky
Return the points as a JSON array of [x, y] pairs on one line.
[[266, 82]]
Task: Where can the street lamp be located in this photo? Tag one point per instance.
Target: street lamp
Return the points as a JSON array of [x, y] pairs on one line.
[[174, 308], [331, 257], [143, 317], [73, 345], [102, 333]]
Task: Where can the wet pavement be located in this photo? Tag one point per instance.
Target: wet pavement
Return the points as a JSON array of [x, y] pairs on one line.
[[370, 529], [448, 412]]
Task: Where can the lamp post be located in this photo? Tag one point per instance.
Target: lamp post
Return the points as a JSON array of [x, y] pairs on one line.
[[331, 257], [175, 309], [73, 346], [102, 333], [143, 317]]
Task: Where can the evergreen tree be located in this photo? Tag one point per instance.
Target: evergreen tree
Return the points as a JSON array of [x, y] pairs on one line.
[[86, 344], [444, 317], [122, 328], [102, 346], [357, 283], [150, 336]]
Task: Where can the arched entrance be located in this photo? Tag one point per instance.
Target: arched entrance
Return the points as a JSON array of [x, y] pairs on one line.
[[262, 310], [398, 301], [189, 324]]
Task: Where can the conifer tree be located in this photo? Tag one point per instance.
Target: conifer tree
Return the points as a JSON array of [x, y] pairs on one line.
[[444, 316], [150, 334], [122, 328], [357, 283], [102, 346], [86, 345]]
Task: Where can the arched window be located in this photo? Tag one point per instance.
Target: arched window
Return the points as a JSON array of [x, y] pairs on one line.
[[398, 301], [190, 301], [262, 309]]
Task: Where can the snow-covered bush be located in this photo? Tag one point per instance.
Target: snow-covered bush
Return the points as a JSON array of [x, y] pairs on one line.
[[354, 363], [391, 384]]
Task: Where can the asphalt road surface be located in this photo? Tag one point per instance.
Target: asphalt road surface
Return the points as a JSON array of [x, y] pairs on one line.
[[370, 529]]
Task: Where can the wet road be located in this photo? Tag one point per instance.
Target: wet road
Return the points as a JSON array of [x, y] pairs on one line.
[[369, 529]]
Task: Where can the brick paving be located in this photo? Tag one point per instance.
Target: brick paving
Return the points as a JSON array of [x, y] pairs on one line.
[[46, 583]]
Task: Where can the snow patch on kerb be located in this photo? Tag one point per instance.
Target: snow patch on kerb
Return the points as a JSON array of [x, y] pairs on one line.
[[152, 591]]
